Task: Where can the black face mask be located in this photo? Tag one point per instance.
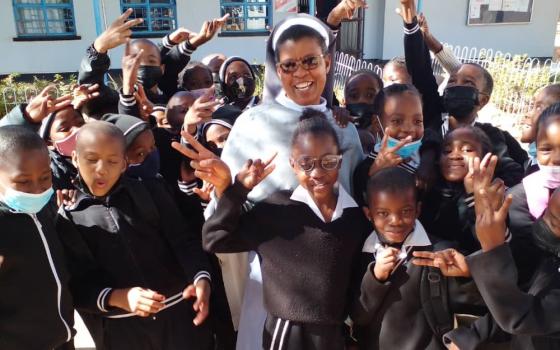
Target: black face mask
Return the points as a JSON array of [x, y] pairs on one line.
[[362, 112], [544, 237], [149, 76], [240, 89], [460, 101]]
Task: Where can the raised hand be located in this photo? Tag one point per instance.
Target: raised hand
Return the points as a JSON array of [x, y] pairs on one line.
[[130, 64], [255, 171], [341, 116], [180, 35], [490, 207], [117, 33], [201, 110], [83, 93], [208, 167], [205, 191], [449, 261], [208, 30], [143, 302], [40, 106], [66, 197], [145, 106], [344, 10], [385, 261], [387, 156], [200, 291], [407, 10]]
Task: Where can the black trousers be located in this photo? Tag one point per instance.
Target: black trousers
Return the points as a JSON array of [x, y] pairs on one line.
[[281, 334], [171, 329]]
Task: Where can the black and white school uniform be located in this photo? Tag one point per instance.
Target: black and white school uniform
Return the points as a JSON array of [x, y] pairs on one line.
[[134, 237], [419, 65], [306, 262], [390, 315], [35, 303]]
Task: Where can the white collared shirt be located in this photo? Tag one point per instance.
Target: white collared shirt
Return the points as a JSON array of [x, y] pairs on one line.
[[445, 124], [288, 103], [418, 238], [344, 201]]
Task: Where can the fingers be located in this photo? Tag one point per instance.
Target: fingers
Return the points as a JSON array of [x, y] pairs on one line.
[[267, 162], [385, 140], [122, 18], [47, 90], [504, 209], [187, 152], [195, 144], [400, 145], [224, 18], [130, 24], [127, 48]]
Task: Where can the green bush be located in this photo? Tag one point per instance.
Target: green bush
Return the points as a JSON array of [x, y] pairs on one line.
[[14, 91]]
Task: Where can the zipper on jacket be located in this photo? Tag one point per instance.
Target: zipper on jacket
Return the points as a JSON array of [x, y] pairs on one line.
[[53, 269]]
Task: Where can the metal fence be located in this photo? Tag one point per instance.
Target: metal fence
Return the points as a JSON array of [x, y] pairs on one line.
[[516, 77], [345, 65]]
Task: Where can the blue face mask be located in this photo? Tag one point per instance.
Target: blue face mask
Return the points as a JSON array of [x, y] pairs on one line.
[[148, 169], [407, 150], [28, 203], [533, 149]]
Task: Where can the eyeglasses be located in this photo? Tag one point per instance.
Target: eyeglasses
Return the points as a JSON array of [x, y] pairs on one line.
[[328, 162], [308, 63]]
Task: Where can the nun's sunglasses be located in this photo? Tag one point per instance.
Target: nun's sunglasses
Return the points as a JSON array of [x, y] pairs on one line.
[[308, 63], [327, 162]]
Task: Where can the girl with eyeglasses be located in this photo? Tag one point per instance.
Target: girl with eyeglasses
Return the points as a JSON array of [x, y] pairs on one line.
[[296, 78], [308, 239]]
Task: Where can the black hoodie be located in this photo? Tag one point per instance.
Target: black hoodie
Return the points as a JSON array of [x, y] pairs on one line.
[[35, 305]]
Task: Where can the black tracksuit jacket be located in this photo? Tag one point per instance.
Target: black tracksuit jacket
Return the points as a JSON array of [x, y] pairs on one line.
[[35, 304]]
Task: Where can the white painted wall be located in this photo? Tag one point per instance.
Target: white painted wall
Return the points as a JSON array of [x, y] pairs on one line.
[[448, 22], [383, 35], [44, 56], [64, 56]]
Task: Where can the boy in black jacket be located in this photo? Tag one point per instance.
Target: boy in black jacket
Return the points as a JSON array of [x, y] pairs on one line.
[[131, 254], [401, 305], [468, 91], [35, 304]]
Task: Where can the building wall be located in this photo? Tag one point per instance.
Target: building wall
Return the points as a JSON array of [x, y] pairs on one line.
[[448, 22], [382, 34], [44, 56], [65, 55]]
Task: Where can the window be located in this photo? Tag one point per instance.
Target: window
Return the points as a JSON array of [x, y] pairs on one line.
[[40, 18], [247, 15], [160, 16]]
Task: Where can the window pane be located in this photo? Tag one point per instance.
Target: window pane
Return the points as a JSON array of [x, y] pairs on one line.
[[133, 1], [236, 21], [30, 14], [160, 1], [58, 1], [256, 11], [28, 1], [31, 27]]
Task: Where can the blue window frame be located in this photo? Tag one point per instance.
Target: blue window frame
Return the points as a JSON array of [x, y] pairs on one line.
[[160, 16], [247, 15], [41, 18]]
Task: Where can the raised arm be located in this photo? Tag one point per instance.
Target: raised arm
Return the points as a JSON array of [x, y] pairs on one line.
[[419, 66]]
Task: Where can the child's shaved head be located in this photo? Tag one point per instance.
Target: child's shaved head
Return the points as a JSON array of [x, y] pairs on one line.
[[392, 180], [95, 130], [17, 140]]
